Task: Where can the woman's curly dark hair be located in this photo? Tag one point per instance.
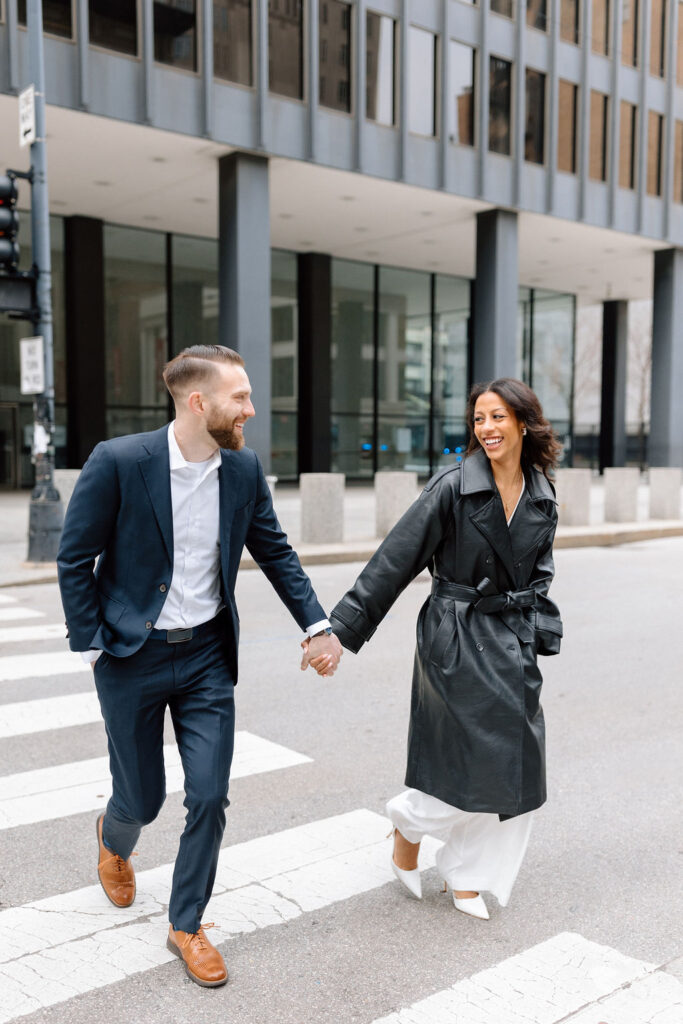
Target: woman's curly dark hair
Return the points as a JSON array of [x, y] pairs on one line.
[[540, 446]]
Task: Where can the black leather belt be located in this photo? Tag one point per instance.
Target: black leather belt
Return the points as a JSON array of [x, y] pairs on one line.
[[485, 597], [185, 633]]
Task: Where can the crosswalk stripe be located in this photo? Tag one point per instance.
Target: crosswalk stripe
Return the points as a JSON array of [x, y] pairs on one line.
[[17, 612], [22, 634], [27, 666], [542, 985], [31, 716], [655, 999], [6, 599], [59, 791], [77, 942]]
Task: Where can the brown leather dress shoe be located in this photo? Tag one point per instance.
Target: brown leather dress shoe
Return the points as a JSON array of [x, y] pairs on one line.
[[203, 962], [116, 875]]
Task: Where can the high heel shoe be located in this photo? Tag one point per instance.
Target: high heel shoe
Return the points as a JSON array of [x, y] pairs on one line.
[[410, 879], [472, 905]]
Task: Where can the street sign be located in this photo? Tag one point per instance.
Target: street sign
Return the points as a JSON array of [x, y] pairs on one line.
[[32, 366], [27, 116]]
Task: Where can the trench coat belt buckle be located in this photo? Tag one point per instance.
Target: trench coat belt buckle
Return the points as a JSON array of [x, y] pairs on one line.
[[484, 596]]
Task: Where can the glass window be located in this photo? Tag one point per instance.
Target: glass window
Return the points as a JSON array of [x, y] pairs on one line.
[[534, 133], [537, 14], [566, 133], [194, 300], [285, 48], [451, 325], [232, 41], [658, 38], [627, 145], [678, 162], [335, 55], [175, 33], [629, 33], [380, 68], [597, 158], [500, 78], [56, 16], [679, 45], [135, 329], [569, 21], [463, 68], [352, 403], [284, 321], [553, 358], [421, 81], [504, 7], [600, 33], [114, 25], [655, 132], [404, 370]]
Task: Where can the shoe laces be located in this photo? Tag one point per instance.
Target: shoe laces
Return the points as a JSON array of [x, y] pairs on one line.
[[119, 863], [198, 938]]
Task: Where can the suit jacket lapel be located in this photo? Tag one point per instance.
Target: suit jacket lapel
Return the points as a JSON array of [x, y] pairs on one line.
[[154, 467], [227, 492]]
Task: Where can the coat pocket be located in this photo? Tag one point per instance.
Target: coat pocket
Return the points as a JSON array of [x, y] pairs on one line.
[[444, 638]]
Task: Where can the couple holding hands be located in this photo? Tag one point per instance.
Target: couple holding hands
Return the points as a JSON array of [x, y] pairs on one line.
[[148, 562]]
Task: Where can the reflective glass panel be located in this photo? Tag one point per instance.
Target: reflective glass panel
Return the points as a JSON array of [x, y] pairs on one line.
[[679, 45], [194, 302], [566, 127], [353, 297], [534, 133], [463, 98], [500, 75], [285, 48], [452, 314], [421, 81], [629, 33], [600, 27], [504, 7], [135, 329], [334, 26], [537, 14], [569, 21], [678, 162], [654, 153], [657, 37], [553, 359], [56, 16], [232, 41], [404, 367], [597, 158], [175, 33], [284, 321], [627, 145], [114, 25], [380, 69]]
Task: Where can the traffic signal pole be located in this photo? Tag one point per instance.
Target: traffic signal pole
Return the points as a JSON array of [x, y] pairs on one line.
[[46, 514]]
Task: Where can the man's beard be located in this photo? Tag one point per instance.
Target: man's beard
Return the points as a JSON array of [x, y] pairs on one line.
[[225, 435]]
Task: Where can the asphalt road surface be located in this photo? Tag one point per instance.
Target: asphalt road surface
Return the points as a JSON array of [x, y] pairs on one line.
[[310, 920]]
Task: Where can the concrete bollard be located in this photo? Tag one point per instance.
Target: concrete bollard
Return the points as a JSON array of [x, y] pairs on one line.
[[395, 491], [65, 481], [272, 483], [621, 495], [322, 507], [665, 493], [573, 488]]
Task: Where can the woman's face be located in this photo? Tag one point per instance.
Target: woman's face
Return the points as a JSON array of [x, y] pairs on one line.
[[497, 429]]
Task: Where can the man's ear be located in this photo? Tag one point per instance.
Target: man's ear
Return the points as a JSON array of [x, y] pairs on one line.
[[195, 403]]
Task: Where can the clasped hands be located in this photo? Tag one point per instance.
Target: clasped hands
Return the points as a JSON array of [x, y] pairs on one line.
[[322, 653]]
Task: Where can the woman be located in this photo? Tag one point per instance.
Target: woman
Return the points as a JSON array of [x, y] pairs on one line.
[[476, 761]]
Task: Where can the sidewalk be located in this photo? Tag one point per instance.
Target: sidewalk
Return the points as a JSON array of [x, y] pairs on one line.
[[359, 524]]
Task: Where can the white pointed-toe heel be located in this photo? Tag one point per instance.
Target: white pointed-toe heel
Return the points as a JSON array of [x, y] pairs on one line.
[[472, 905], [410, 879]]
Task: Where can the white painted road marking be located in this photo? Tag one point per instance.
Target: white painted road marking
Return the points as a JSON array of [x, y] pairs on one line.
[[61, 790], [29, 716], [28, 666], [547, 983], [17, 612], [6, 599], [23, 634]]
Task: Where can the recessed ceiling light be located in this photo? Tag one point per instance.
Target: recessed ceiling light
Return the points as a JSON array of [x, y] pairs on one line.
[[102, 184], [432, 264], [307, 242], [200, 199], [554, 238], [285, 216], [426, 213], [428, 241], [347, 199], [543, 263], [159, 160], [610, 249], [150, 217], [361, 231], [58, 202], [372, 253]]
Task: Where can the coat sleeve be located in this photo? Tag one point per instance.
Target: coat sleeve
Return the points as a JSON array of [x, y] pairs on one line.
[[547, 621], [88, 525], [270, 549], [404, 553]]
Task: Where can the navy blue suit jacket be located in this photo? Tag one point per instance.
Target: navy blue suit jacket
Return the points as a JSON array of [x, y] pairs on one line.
[[121, 511]]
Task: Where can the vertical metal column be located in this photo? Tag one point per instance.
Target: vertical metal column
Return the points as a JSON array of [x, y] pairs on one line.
[[314, 288], [495, 296], [361, 84], [207, 67], [612, 448], [666, 417]]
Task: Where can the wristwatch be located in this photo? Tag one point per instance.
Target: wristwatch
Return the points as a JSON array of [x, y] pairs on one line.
[[323, 632]]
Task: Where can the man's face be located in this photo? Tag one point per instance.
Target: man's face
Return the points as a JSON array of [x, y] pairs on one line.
[[228, 406]]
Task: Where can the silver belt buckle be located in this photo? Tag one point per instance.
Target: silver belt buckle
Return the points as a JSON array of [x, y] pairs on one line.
[[179, 636]]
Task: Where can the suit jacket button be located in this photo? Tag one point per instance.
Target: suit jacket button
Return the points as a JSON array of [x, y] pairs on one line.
[[148, 625], [162, 588]]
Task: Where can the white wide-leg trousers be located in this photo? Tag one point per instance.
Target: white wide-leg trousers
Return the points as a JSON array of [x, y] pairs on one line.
[[481, 853]]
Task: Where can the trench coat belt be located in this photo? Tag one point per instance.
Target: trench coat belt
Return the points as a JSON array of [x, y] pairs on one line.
[[487, 599]]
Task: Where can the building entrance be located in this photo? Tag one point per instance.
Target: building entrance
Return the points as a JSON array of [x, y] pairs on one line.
[[10, 464]]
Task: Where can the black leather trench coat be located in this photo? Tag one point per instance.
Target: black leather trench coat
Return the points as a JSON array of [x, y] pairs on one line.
[[477, 736]]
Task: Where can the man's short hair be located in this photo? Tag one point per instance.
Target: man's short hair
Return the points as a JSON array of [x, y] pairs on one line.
[[195, 366]]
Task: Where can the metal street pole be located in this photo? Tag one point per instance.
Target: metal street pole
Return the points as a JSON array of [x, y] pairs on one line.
[[46, 514]]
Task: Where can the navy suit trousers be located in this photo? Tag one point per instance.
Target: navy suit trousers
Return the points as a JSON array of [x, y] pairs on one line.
[[193, 680]]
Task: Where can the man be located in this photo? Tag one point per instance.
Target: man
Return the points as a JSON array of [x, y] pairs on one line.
[[168, 513]]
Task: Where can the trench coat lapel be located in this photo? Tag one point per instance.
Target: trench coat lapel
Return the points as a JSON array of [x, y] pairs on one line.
[[228, 488], [490, 518], [156, 474], [530, 524]]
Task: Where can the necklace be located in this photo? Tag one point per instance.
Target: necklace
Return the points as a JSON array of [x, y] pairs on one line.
[[509, 494]]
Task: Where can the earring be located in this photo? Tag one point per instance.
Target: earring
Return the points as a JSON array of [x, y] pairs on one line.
[[523, 431]]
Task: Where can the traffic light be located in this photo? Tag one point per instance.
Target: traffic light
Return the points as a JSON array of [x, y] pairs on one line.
[[9, 223]]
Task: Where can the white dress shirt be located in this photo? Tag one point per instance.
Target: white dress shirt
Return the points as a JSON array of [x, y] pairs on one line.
[[194, 595]]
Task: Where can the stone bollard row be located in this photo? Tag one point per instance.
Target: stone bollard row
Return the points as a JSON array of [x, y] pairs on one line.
[[621, 494], [65, 481], [573, 487], [665, 493], [322, 507], [395, 491]]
